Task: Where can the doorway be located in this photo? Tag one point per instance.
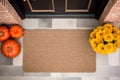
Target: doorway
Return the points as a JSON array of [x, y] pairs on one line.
[[61, 8]]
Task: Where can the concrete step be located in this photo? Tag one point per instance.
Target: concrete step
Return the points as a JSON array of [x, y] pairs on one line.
[[37, 78], [40, 74], [4, 60], [11, 71], [101, 71], [18, 71], [57, 78]]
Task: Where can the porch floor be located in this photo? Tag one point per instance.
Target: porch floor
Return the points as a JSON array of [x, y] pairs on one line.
[[107, 67]]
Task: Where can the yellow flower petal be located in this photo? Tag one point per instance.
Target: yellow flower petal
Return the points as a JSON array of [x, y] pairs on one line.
[[105, 49], [99, 40], [108, 37], [108, 26], [101, 48], [99, 28], [107, 31], [109, 48], [99, 34], [93, 34], [115, 30], [115, 27], [115, 47], [118, 42], [93, 43], [116, 36]]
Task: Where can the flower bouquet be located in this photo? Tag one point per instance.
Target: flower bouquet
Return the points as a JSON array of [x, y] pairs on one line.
[[105, 39]]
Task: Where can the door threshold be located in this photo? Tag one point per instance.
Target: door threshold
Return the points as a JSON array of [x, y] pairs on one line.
[[91, 16]]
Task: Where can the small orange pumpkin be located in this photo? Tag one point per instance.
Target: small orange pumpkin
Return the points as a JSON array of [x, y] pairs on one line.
[[16, 31], [4, 33], [10, 48]]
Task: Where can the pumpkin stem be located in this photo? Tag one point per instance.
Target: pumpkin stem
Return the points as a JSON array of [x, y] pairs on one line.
[[8, 48], [0, 33]]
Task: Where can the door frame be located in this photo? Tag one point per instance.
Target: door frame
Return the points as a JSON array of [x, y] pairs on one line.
[[106, 10], [19, 8]]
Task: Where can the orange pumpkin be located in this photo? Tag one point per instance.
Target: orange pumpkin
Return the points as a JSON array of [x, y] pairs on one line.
[[16, 31], [4, 33], [10, 48]]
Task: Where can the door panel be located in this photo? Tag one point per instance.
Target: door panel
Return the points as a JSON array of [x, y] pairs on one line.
[[59, 6], [41, 5], [77, 5]]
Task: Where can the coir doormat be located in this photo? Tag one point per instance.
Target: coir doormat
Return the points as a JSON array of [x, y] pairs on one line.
[[58, 51]]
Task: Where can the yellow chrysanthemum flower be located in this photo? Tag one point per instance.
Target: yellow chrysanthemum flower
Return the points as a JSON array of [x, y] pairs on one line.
[[99, 34], [93, 34], [115, 47], [101, 48], [109, 48], [105, 49], [108, 26], [105, 39], [116, 31], [108, 37], [107, 31], [99, 28], [99, 40], [93, 43], [118, 42], [116, 36], [114, 27]]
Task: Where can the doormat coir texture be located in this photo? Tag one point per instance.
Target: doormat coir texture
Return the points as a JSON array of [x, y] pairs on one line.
[[58, 51]]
